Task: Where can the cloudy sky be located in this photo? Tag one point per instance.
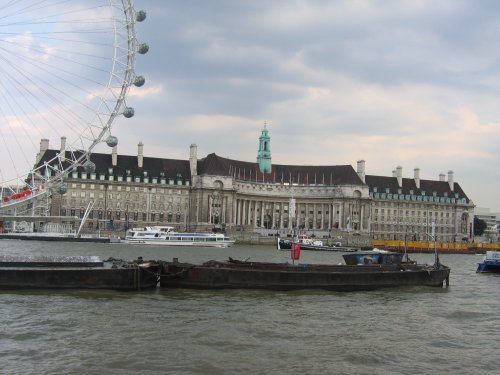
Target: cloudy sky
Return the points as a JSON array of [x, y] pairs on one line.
[[411, 83]]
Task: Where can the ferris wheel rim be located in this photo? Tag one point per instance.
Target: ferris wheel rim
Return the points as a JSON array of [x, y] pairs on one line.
[[129, 72]]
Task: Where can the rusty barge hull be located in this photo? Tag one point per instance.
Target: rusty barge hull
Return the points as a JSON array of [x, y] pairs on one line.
[[45, 274], [254, 275]]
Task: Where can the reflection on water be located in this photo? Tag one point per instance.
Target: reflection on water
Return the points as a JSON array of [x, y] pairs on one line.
[[412, 330]]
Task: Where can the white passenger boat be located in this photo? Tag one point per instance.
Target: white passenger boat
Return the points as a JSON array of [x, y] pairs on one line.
[[167, 236]]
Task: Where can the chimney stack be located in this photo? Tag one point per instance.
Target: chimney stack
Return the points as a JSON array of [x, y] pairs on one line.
[[62, 151], [416, 173], [450, 180], [114, 156], [140, 154], [44, 146], [361, 170], [193, 159], [399, 175], [441, 177]]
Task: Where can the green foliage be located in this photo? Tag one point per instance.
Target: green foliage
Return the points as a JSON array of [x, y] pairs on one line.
[[479, 226]]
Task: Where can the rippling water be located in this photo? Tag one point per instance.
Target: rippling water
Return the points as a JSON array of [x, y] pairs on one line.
[[403, 330]]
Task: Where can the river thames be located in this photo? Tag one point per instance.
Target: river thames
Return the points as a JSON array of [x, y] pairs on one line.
[[389, 331]]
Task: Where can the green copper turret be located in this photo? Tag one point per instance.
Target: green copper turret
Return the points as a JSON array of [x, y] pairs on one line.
[[264, 155]]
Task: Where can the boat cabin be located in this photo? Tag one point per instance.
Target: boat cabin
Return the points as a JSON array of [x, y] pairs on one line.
[[373, 257]]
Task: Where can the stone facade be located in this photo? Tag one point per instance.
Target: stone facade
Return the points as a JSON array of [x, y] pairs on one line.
[[334, 202]]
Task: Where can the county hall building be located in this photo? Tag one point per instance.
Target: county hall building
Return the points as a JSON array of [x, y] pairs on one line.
[[259, 198]]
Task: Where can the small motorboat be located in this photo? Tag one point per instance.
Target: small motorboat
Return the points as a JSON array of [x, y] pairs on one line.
[[490, 263]]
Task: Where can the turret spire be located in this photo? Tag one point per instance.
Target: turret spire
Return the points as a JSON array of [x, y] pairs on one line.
[[264, 154]]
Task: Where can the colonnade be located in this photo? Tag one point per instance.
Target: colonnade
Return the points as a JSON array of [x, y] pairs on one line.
[[309, 215]]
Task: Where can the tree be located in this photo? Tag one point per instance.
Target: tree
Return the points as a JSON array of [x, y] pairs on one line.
[[479, 226]]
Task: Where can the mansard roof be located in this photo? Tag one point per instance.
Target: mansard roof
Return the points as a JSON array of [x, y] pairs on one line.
[[126, 164], [327, 175], [384, 184]]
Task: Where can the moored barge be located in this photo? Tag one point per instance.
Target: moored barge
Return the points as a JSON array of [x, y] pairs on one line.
[[79, 272], [362, 271]]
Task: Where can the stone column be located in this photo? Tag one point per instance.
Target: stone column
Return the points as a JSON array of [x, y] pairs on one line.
[[282, 214], [272, 214], [255, 206], [362, 217], [238, 215], [223, 209], [315, 214], [210, 202], [249, 211], [262, 214], [244, 212], [322, 216], [306, 216], [341, 216], [233, 210]]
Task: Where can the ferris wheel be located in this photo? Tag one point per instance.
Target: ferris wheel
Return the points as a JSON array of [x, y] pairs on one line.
[[66, 67]]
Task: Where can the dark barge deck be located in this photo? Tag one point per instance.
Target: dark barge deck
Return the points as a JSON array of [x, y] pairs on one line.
[[77, 273]]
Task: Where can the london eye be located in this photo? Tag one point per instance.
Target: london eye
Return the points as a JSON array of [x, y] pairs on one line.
[[66, 69]]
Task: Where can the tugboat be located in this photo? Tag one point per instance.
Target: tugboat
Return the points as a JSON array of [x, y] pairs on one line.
[[490, 263]]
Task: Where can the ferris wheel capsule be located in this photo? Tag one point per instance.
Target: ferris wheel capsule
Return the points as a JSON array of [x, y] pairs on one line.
[[143, 48], [112, 141], [140, 16], [128, 112], [89, 166], [139, 81], [62, 189]]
